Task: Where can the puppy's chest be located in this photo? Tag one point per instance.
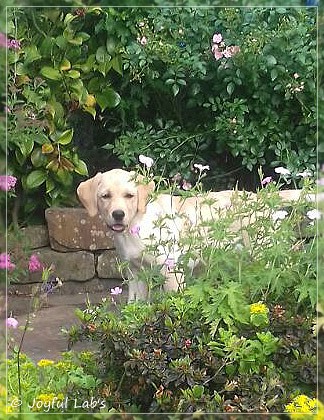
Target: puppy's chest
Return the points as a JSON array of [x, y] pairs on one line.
[[128, 247]]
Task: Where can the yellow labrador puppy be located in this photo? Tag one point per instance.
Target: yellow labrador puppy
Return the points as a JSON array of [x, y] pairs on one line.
[[123, 204]]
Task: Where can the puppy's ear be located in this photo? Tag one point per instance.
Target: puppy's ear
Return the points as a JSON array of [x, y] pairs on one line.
[[143, 191], [87, 193]]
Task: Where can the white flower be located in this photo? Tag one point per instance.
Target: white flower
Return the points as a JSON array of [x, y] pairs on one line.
[[279, 215], [304, 174], [116, 291], [282, 171], [314, 214], [146, 160], [201, 167]]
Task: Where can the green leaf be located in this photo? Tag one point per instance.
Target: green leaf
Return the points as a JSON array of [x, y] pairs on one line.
[[274, 74], [65, 137], [81, 168], [37, 157], [271, 60], [230, 88], [73, 74], [31, 54], [50, 73], [117, 65], [102, 55], [35, 179], [108, 98], [175, 89]]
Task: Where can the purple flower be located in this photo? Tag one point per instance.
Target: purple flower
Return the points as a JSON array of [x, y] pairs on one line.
[[12, 322], [169, 263], [134, 230], [5, 262], [266, 180], [14, 44], [116, 291], [7, 182], [34, 264]]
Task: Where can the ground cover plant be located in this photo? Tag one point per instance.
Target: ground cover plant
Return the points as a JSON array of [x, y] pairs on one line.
[[239, 338]]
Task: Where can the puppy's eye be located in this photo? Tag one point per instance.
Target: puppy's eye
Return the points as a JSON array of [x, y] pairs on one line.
[[105, 196], [129, 195]]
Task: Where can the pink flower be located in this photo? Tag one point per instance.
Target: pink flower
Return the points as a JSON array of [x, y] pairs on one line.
[[231, 50], [116, 291], [34, 264], [266, 180], [187, 343], [5, 263], [134, 230], [217, 38], [3, 40], [142, 40], [7, 182], [218, 54], [12, 323], [186, 185], [169, 263], [14, 44]]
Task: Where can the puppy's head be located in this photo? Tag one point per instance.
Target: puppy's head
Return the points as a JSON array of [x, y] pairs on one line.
[[117, 196]]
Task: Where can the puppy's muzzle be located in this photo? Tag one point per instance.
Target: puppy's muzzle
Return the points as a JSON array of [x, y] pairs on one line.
[[118, 216]]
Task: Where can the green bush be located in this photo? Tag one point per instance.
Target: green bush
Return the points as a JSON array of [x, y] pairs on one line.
[[239, 338], [149, 82]]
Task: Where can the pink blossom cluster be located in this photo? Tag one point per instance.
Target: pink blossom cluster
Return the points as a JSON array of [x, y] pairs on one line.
[[5, 263], [34, 264], [220, 50], [9, 43], [7, 182]]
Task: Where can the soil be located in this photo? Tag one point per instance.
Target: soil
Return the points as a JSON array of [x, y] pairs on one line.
[[44, 338]]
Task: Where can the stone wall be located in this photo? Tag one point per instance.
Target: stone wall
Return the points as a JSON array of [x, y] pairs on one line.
[[81, 248]]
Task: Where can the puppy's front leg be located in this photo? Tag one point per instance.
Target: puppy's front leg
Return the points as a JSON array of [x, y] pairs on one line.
[[173, 282]]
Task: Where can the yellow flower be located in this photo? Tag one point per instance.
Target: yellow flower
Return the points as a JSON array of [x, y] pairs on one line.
[[45, 362], [306, 405], [64, 365], [258, 308]]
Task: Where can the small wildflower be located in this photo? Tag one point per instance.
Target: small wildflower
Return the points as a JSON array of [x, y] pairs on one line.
[[12, 323], [134, 230], [314, 214], [217, 38], [279, 215], [218, 54], [266, 180], [14, 44], [282, 171], [169, 263], [116, 291], [146, 160], [34, 264], [201, 168], [187, 343], [302, 404], [296, 75], [186, 185], [304, 174], [5, 263], [142, 40], [258, 308], [45, 362], [7, 182]]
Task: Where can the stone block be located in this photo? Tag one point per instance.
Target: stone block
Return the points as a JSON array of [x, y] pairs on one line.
[[73, 229], [35, 236], [107, 265], [78, 266]]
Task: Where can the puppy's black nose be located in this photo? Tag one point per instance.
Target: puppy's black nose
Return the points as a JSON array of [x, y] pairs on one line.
[[118, 215]]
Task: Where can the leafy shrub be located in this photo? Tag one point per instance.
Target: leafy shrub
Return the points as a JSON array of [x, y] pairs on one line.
[[239, 338], [150, 81]]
